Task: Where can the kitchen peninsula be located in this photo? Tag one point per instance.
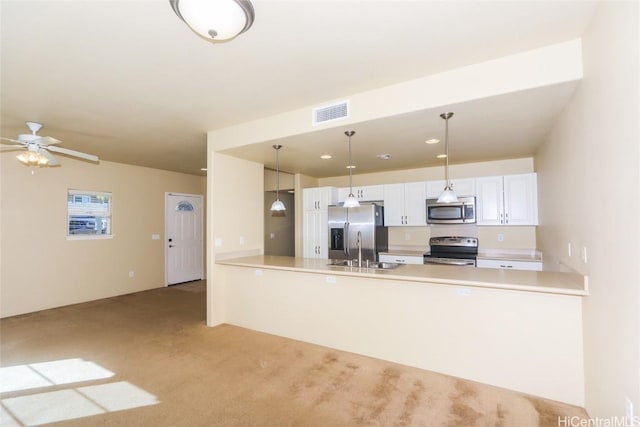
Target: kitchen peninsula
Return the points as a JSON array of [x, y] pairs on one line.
[[516, 329]]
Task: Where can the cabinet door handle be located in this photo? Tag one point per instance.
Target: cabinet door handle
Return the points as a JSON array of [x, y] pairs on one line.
[[506, 217]]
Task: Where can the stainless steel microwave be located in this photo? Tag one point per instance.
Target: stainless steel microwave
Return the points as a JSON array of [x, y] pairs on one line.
[[461, 212]]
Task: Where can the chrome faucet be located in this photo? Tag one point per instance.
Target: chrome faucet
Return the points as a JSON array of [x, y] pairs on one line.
[[359, 243]]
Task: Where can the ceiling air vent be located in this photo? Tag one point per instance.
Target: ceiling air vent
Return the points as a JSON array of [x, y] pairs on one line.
[[330, 112]]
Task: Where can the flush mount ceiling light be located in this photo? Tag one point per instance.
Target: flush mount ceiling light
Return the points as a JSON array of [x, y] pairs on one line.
[[351, 201], [447, 196], [215, 20], [325, 156], [277, 206], [432, 141], [383, 156]]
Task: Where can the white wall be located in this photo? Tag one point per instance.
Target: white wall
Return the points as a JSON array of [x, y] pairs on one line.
[[588, 172], [235, 218], [40, 268]]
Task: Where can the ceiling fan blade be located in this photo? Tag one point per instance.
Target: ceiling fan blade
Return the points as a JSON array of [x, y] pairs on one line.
[[4, 140], [4, 148], [47, 140], [51, 160], [73, 153]]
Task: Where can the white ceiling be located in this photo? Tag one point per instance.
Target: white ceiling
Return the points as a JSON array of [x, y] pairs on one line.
[[128, 81]]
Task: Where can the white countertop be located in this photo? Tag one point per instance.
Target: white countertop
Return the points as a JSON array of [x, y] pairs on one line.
[[566, 283]]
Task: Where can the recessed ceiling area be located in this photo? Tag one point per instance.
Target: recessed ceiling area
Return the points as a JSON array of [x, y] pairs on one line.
[[500, 127]]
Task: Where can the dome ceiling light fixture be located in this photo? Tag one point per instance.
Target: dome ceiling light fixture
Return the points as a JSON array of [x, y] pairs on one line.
[[277, 206], [215, 20], [351, 201], [448, 195]]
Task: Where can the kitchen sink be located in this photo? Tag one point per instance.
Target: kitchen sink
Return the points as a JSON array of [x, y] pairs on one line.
[[370, 265]]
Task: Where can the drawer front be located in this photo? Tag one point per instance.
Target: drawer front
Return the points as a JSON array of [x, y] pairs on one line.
[[510, 264], [402, 259]]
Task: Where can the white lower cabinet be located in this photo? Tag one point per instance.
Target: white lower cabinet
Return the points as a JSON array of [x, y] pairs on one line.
[[404, 204], [509, 264], [402, 259]]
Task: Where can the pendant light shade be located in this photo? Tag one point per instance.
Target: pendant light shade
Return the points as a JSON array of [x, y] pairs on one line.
[[215, 20], [278, 206], [448, 195], [351, 201]]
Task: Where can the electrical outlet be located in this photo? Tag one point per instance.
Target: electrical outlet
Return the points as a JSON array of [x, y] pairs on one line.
[[331, 279], [131, 274], [500, 237], [259, 272], [584, 254], [628, 408], [569, 249], [218, 242], [272, 236], [241, 240], [407, 236]]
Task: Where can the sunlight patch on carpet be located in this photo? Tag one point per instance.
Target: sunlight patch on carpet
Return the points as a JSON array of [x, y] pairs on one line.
[[35, 375], [70, 403]]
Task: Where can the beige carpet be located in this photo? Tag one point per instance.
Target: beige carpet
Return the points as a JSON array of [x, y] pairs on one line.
[[155, 363]]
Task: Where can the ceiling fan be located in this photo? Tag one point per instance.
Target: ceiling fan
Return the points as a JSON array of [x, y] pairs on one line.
[[38, 148]]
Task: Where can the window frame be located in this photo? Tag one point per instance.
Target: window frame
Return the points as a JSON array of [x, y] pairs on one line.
[[90, 193]]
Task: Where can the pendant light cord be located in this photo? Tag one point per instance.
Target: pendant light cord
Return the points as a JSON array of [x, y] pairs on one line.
[[350, 169], [446, 139], [278, 173], [350, 133]]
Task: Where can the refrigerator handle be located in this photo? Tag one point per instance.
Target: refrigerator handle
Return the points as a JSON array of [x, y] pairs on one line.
[[346, 240]]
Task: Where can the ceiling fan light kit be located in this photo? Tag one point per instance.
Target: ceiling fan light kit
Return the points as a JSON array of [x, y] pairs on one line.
[[448, 195], [39, 148], [215, 20]]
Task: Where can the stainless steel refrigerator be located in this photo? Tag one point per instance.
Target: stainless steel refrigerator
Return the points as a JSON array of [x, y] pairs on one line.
[[344, 225]]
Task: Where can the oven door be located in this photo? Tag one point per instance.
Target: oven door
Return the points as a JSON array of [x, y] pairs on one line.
[[466, 262]]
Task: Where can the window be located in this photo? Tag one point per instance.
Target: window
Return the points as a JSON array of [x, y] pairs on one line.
[[184, 206], [88, 214]]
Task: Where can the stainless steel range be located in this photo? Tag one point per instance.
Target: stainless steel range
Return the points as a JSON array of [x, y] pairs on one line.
[[452, 250]]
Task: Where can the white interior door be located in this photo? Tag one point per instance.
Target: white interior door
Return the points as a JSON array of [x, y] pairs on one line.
[[183, 223]]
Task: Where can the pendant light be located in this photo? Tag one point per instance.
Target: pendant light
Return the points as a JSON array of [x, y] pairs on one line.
[[351, 201], [278, 206], [215, 20], [448, 195]]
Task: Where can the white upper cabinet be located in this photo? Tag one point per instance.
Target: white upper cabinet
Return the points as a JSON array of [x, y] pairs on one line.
[[318, 198], [367, 193], [462, 187], [404, 204], [507, 200]]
